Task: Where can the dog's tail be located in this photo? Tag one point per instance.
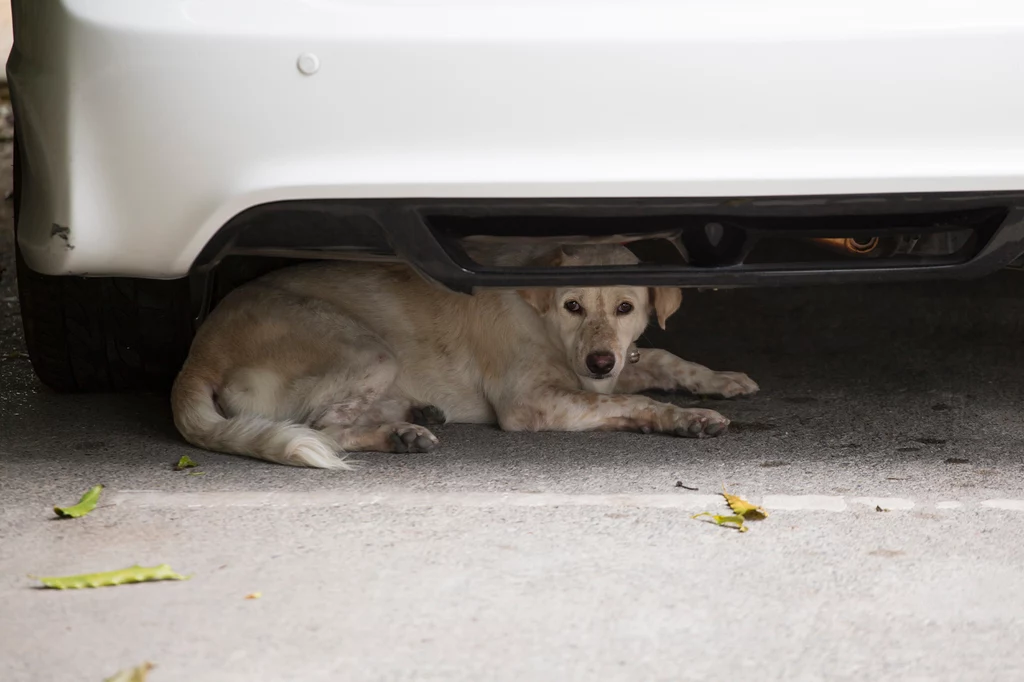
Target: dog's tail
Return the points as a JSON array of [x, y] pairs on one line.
[[201, 423]]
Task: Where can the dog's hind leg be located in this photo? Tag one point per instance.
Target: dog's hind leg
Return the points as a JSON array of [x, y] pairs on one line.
[[335, 377], [351, 393], [393, 437], [379, 426], [659, 370], [390, 409], [354, 409]]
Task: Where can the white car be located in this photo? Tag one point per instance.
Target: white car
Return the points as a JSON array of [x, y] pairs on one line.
[[170, 149]]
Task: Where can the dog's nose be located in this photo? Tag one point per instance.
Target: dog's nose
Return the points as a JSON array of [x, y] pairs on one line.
[[600, 362]]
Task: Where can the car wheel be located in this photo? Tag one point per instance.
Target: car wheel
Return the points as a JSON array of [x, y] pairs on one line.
[[104, 333]]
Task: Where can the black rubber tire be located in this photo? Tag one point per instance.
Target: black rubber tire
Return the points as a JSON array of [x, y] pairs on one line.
[[103, 333]]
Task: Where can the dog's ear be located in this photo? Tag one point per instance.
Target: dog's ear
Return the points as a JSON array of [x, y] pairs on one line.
[[665, 301], [541, 298]]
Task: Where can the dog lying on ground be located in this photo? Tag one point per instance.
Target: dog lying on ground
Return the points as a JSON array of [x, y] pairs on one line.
[[316, 360]]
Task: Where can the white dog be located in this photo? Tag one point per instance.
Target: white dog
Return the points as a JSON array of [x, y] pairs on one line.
[[325, 358]]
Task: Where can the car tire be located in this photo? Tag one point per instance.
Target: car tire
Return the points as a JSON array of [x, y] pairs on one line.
[[103, 333]]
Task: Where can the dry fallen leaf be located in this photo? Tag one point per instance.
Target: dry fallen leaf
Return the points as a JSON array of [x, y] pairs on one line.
[[254, 595], [136, 674], [748, 511]]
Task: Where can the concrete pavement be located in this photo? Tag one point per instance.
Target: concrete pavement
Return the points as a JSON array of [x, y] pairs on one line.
[[562, 556]]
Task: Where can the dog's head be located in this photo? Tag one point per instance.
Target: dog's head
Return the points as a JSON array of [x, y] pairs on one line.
[[595, 326]]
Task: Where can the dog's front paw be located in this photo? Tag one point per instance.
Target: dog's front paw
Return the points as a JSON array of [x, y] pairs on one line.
[[411, 438], [697, 423], [728, 385]]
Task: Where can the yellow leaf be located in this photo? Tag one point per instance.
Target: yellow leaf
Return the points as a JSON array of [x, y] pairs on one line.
[[722, 520], [137, 674], [748, 511], [254, 595]]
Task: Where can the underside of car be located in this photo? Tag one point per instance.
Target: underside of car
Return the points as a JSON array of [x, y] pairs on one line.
[[119, 333], [749, 145]]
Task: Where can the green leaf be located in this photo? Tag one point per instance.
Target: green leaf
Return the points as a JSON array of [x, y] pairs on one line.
[[84, 506], [135, 574], [185, 462], [737, 520]]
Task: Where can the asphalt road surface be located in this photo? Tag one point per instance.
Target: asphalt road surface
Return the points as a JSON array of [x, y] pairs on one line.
[[561, 556]]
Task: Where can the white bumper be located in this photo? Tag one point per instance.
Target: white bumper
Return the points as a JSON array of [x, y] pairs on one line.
[[145, 126]]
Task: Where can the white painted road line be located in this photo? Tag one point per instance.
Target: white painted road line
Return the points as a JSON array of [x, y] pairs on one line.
[[336, 498], [1014, 505]]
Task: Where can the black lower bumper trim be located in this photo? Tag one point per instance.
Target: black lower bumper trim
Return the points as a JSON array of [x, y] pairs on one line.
[[426, 234]]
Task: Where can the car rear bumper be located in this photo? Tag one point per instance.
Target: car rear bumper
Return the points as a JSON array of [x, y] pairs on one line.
[[145, 128], [958, 235]]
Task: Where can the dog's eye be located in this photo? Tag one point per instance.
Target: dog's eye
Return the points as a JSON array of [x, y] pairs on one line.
[[625, 308], [573, 307]]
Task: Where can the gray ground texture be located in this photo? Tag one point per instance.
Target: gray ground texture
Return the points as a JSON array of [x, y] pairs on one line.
[[560, 556]]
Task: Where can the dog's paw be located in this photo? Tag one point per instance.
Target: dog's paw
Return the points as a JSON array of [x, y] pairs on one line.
[[697, 423], [411, 438], [426, 415], [728, 385]]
